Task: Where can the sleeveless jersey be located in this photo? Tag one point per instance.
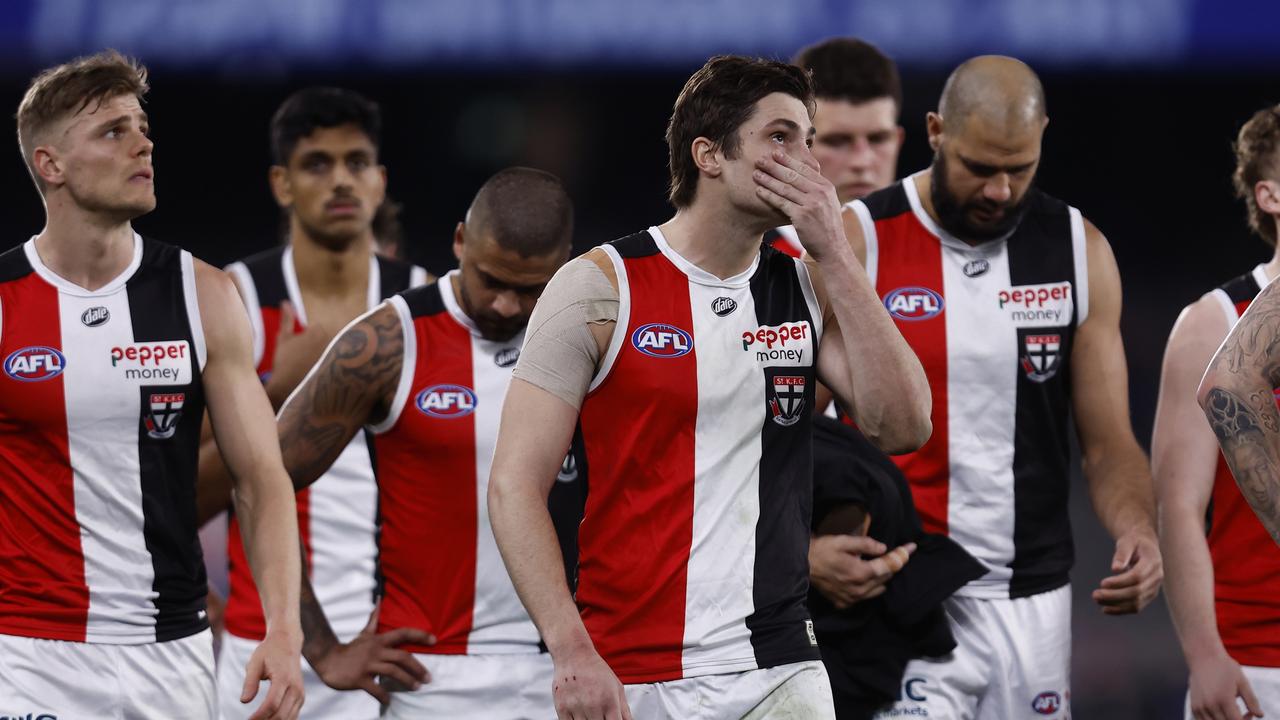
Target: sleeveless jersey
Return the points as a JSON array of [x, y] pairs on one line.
[[693, 547], [993, 326], [100, 408], [1246, 563], [786, 240], [440, 562], [337, 513]]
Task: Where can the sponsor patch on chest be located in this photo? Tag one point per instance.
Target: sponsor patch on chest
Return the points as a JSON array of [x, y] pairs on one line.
[[163, 362], [1044, 305], [788, 344]]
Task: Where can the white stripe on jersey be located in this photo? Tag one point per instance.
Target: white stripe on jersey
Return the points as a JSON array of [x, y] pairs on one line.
[[418, 276], [249, 293], [408, 366], [624, 318], [1080, 257], [193, 307], [870, 239], [982, 357], [498, 617]]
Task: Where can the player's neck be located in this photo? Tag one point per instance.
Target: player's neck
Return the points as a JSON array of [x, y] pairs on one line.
[[720, 241], [323, 271], [1272, 268], [83, 247]]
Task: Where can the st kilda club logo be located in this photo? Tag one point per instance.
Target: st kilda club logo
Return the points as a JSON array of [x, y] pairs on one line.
[[164, 410], [786, 399]]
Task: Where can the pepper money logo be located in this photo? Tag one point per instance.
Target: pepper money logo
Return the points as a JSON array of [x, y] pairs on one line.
[[166, 362]]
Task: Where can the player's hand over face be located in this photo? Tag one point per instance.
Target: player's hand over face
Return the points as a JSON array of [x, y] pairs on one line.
[[1216, 681], [851, 568], [358, 664], [796, 188], [278, 660], [295, 353], [585, 688], [1137, 572]]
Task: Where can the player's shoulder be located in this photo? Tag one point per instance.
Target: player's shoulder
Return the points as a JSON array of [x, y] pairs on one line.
[[14, 264], [886, 203], [422, 300]]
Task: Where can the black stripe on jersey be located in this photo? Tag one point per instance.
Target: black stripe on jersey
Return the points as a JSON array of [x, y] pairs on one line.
[[639, 245], [394, 276], [424, 300], [267, 270], [379, 581], [1242, 289], [888, 202], [567, 502], [1040, 251], [168, 463], [14, 264], [780, 624], [771, 237]]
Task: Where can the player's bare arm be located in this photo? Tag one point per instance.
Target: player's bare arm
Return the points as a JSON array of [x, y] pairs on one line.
[[351, 386], [1236, 395], [241, 418], [525, 464], [1116, 468], [526, 460], [863, 358], [1184, 458]]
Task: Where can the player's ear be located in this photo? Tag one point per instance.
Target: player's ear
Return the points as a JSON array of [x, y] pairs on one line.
[[706, 156], [1267, 195], [281, 188], [459, 238], [933, 126], [47, 165]]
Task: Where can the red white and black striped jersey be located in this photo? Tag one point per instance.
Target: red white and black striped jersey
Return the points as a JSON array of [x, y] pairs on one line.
[[337, 515], [100, 409], [440, 563], [1246, 562], [993, 326], [693, 547]]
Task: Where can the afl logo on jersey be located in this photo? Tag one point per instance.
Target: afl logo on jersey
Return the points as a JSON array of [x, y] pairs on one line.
[[1047, 703], [723, 306], [661, 340], [913, 303], [33, 364], [447, 401], [95, 316]]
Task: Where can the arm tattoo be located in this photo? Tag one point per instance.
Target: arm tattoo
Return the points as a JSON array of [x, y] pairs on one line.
[[358, 374], [1241, 407]]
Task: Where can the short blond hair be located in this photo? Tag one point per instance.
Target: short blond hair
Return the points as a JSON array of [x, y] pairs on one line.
[[66, 89]]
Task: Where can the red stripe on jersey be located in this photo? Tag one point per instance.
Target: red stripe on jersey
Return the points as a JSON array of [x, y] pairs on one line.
[[427, 494], [1246, 572], [783, 244], [636, 533], [244, 616], [910, 256], [42, 585]]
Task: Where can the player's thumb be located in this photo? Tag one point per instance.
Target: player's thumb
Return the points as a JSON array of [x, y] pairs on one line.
[[1125, 550], [1250, 700], [252, 676], [371, 626]]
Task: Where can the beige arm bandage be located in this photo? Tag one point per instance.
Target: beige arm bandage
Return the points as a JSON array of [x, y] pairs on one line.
[[560, 354]]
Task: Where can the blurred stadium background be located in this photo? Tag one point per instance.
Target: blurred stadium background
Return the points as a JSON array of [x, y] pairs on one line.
[[1145, 97]]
